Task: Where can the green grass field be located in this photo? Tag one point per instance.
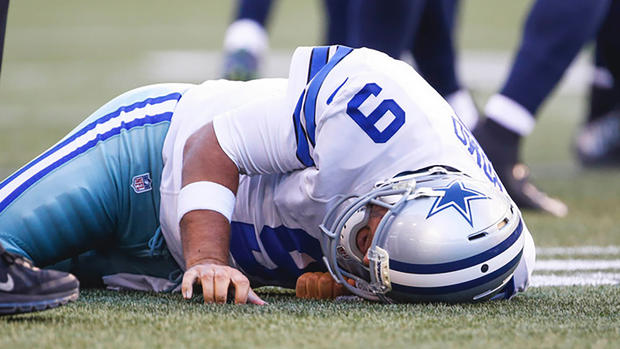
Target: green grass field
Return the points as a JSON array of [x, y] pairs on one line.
[[63, 59], [559, 317]]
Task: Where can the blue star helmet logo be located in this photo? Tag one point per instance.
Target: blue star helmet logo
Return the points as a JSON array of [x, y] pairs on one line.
[[458, 197]]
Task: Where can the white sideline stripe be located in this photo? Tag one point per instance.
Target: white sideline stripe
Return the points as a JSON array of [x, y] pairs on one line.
[[149, 109], [581, 279], [485, 70], [576, 264], [580, 250]]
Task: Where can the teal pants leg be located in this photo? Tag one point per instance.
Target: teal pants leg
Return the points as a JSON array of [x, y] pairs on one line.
[[98, 188]]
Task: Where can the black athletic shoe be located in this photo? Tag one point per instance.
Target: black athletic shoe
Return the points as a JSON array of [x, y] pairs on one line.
[[240, 65], [502, 147], [516, 180], [598, 141], [25, 288]]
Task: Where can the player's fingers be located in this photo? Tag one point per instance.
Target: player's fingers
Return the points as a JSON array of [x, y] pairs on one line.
[[187, 286], [326, 286], [242, 287], [312, 286], [255, 299], [300, 287], [351, 282], [221, 281], [206, 280]]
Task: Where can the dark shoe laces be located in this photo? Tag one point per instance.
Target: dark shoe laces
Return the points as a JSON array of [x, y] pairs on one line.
[[12, 258]]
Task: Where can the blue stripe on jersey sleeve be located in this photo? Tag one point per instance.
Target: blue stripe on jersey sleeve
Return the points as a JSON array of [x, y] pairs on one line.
[[315, 87], [318, 59], [303, 150]]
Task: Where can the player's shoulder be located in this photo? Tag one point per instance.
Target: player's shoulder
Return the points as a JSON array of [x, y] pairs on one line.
[[217, 96], [217, 88], [320, 68], [319, 62]]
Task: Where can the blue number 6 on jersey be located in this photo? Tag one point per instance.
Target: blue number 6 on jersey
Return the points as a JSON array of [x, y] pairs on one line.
[[367, 123]]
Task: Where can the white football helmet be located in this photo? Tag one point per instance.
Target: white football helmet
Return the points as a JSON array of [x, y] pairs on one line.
[[445, 237]]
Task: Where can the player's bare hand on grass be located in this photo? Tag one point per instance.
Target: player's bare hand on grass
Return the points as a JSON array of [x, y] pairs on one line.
[[319, 286], [215, 280]]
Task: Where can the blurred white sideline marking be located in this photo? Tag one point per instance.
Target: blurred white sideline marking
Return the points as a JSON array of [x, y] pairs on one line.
[[576, 264], [580, 279], [580, 250], [484, 70], [574, 271]]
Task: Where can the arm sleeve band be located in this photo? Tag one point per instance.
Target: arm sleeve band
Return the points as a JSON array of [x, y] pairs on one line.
[[205, 196]]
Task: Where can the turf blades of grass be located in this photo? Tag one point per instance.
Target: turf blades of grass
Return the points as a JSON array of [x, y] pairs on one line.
[[543, 317]]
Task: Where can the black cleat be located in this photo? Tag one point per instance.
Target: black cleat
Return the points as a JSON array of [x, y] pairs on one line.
[[516, 180], [598, 142], [25, 288], [240, 65], [502, 147]]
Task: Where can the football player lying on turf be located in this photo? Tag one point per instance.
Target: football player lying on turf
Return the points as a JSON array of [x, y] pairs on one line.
[[353, 166]]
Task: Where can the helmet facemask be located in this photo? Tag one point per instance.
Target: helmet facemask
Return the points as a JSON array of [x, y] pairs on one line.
[[343, 257], [495, 227]]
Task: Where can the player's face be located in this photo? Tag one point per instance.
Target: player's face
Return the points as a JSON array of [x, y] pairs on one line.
[[365, 235]]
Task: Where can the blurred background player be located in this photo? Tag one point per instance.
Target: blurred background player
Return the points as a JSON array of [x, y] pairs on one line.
[[423, 28], [247, 41], [598, 141], [23, 287], [554, 33]]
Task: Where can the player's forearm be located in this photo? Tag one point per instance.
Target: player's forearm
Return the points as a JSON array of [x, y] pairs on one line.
[[205, 234]]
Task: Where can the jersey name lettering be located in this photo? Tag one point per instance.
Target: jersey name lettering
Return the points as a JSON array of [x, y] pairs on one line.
[[468, 140]]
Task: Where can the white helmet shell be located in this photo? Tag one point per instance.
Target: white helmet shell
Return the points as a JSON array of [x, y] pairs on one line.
[[446, 237]]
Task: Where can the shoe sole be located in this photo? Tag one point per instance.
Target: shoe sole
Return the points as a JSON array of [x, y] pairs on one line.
[[40, 305]]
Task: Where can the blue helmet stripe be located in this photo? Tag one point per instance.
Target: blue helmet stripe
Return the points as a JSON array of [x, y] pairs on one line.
[[460, 264], [92, 125], [459, 287], [147, 120], [315, 86]]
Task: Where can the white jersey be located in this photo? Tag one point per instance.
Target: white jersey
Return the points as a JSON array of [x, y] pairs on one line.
[[344, 120]]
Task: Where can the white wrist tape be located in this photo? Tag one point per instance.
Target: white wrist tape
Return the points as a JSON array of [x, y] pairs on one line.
[[205, 196]]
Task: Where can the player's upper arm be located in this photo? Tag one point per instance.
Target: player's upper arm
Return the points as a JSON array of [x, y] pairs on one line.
[[258, 137], [277, 134]]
